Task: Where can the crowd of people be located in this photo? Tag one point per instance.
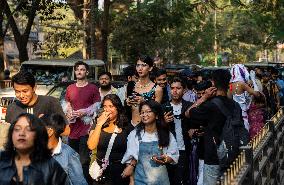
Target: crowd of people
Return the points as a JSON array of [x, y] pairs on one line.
[[151, 131]]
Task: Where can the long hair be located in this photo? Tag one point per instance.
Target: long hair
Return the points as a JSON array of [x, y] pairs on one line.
[[40, 150], [121, 120], [162, 127]]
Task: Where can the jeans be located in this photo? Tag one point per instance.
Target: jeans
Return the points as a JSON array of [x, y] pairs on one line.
[[211, 174], [200, 172], [80, 146], [178, 173]]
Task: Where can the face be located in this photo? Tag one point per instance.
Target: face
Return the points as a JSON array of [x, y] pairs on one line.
[[177, 90], [142, 68], [162, 80], [23, 136], [81, 72], [104, 80], [200, 94], [111, 109], [147, 116], [24, 93], [199, 79]]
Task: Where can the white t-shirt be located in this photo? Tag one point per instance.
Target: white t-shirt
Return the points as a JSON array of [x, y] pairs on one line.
[[133, 146], [178, 128]]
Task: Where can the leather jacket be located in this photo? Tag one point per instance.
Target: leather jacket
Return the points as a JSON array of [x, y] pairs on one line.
[[48, 172]]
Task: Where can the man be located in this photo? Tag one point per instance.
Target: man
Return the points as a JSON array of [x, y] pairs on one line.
[[206, 111], [79, 96], [162, 81], [62, 153], [179, 173], [27, 99], [188, 76], [105, 85]]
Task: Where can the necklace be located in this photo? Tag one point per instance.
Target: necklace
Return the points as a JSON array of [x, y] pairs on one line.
[[144, 86]]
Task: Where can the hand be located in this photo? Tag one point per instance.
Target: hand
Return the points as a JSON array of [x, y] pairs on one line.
[[209, 93], [139, 99], [128, 171], [165, 159], [169, 117], [78, 114], [130, 101], [103, 118], [191, 132]]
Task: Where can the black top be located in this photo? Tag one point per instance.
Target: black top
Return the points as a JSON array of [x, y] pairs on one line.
[[209, 114], [43, 105], [118, 148]]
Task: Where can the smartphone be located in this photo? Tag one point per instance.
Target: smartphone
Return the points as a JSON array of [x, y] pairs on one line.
[[169, 108], [160, 158]]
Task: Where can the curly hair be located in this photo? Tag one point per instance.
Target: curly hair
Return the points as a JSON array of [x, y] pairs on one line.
[[162, 127], [40, 150], [122, 120]]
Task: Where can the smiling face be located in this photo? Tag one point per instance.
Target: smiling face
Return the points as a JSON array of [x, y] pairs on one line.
[[142, 68], [25, 93], [162, 80], [147, 115], [23, 136], [81, 72], [111, 109]]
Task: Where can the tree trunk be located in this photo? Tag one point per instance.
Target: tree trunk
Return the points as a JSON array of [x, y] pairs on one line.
[[105, 31], [2, 66], [93, 21]]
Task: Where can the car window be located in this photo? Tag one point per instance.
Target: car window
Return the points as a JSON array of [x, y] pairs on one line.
[[58, 92]]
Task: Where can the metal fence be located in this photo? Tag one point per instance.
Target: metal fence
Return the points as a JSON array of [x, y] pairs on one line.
[[261, 162]]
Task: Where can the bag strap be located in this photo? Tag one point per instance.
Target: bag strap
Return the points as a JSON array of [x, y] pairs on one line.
[[221, 107], [111, 141]]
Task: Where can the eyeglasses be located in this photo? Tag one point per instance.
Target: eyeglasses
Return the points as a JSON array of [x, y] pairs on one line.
[[141, 65], [145, 113]]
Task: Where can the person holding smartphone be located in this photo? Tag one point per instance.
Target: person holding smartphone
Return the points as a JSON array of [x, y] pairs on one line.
[[149, 147], [111, 119], [144, 89], [177, 122]]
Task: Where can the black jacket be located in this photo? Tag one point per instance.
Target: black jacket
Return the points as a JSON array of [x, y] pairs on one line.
[[184, 125], [47, 172]]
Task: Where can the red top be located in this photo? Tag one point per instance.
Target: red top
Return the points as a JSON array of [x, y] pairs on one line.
[[81, 98]]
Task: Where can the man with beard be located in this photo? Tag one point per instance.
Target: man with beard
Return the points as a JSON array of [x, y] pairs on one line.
[[105, 85], [79, 96]]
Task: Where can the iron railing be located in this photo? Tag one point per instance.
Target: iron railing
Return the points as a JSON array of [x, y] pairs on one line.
[[261, 162]]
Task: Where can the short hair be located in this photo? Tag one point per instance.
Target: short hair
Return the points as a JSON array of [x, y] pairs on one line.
[[160, 72], [146, 59], [130, 71], [24, 78], [40, 150], [105, 73], [180, 80], [77, 64], [56, 122], [221, 79], [203, 85]]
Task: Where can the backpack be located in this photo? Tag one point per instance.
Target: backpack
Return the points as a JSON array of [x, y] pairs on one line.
[[234, 134]]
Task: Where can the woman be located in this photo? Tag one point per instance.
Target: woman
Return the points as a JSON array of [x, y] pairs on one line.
[[26, 159], [149, 147], [111, 120], [241, 90], [144, 88]]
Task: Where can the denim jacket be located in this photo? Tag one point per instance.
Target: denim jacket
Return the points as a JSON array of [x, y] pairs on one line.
[[69, 160]]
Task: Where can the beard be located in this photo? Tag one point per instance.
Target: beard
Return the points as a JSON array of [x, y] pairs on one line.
[[106, 87]]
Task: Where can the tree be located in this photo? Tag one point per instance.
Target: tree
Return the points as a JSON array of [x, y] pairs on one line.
[[28, 10]]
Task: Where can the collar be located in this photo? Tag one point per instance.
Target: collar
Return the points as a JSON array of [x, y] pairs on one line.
[[57, 149]]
